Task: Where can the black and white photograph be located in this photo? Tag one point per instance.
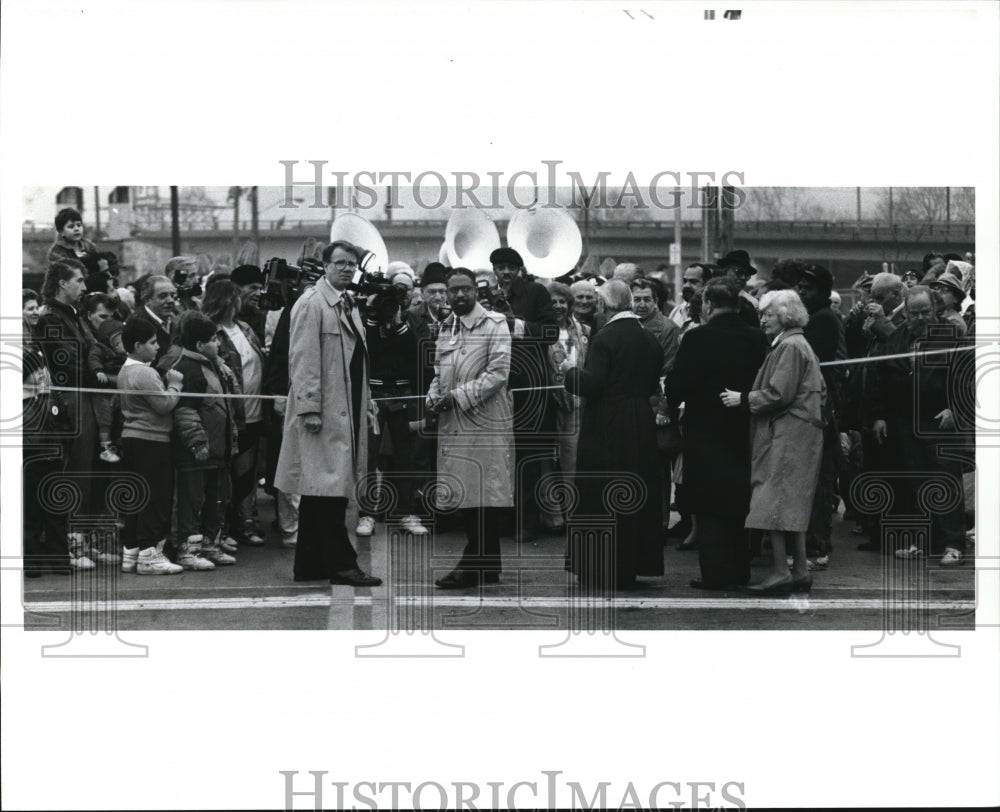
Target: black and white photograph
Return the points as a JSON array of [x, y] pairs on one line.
[[375, 361]]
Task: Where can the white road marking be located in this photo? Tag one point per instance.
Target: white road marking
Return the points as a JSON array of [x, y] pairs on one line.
[[342, 602]]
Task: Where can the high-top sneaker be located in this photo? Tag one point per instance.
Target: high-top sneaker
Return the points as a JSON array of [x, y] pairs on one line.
[[189, 554]]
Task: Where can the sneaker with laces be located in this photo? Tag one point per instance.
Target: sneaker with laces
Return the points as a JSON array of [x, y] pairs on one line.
[[913, 551], [366, 526], [108, 454], [80, 562], [130, 559], [152, 561], [103, 557], [214, 553], [188, 555], [250, 536], [229, 544], [952, 557], [412, 525], [820, 562]]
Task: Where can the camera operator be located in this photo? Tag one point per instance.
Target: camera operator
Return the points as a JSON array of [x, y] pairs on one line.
[[183, 272], [533, 328], [395, 365], [325, 439]]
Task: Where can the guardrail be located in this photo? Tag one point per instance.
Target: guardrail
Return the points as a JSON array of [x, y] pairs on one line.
[[910, 232]]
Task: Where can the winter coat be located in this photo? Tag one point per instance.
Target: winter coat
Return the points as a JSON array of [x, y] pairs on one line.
[[723, 353], [102, 358], [786, 426], [618, 437], [476, 434], [322, 341], [200, 422]]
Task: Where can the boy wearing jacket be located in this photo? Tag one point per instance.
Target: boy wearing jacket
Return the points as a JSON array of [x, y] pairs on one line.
[[204, 441]]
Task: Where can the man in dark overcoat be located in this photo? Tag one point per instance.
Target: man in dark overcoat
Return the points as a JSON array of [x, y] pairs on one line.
[[618, 469], [723, 353]]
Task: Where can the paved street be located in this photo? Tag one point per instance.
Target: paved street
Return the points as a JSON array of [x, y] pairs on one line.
[[856, 592]]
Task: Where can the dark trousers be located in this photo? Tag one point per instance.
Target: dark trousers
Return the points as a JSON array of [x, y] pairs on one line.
[[45, 530], [919, 454], [393, 453], [198, 503], [244, 474], [482, 549], [151, 461], [323, 544], [723, 550], [821, 519], [885, 458], [529, 457]]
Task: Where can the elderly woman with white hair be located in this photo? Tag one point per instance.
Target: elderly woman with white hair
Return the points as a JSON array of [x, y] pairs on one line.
[[785, 405], [617, 469]]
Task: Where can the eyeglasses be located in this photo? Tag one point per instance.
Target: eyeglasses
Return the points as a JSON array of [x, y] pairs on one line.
[[344, 264]]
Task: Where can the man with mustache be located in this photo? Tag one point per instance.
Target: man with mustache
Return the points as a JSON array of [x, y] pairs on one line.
[[695, 277]]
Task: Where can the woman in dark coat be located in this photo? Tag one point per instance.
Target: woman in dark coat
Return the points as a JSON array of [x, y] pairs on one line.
[[618, 472], [786, 407]]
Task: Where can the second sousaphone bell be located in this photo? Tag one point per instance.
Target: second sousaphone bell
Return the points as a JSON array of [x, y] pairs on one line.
[[469, 239], [548, 240]]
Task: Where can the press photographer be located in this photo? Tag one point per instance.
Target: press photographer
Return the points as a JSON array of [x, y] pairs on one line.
[[394, 350]]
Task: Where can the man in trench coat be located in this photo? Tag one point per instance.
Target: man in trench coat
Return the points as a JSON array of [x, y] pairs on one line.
[[475, 428], [324, 445]]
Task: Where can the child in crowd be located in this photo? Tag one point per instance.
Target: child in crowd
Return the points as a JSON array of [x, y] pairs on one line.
[[205, 438], [105, 358], [70, 243], [146, 449]]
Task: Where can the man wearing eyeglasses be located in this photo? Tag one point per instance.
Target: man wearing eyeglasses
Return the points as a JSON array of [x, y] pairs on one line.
[[325, 442]]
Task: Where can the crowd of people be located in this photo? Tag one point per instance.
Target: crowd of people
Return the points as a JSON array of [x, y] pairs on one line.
[[520, 406]]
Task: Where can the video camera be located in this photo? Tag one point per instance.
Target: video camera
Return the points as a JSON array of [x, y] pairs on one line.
[[490, 298], [374, 286], [283, 282]]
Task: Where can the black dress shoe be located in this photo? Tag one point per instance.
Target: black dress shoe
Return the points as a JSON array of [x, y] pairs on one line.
[[697, 583], [800, 585], [310, 577], [355, 577], [680, 530], [461, 579], [780, 589]]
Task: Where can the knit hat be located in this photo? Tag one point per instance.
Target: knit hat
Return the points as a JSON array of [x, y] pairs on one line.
[[109, 329]]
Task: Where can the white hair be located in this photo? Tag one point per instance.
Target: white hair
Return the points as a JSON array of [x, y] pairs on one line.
[[616, 296]]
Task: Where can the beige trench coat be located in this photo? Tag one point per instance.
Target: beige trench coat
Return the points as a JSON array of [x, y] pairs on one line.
[[476, 433], [321, 344]]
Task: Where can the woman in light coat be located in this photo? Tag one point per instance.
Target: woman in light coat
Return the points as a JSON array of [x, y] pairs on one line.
[[786, 428]]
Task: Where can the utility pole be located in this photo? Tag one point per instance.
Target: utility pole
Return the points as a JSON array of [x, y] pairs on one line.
[[678, 253], [97, 214], [254, 220], [586, 226], [175, 222], [890, 207], [859, 207], [235, 192], [726, 220], [947, 204]]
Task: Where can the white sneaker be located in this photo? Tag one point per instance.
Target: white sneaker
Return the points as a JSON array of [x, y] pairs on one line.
[[229, 544], [102, 557], [81, 562], [290, 542], [152, 561], [188, 555], [913, 551], [130, 559], [412, 524], [366, 526], [217, 556], [951, 557], [109, 455]]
